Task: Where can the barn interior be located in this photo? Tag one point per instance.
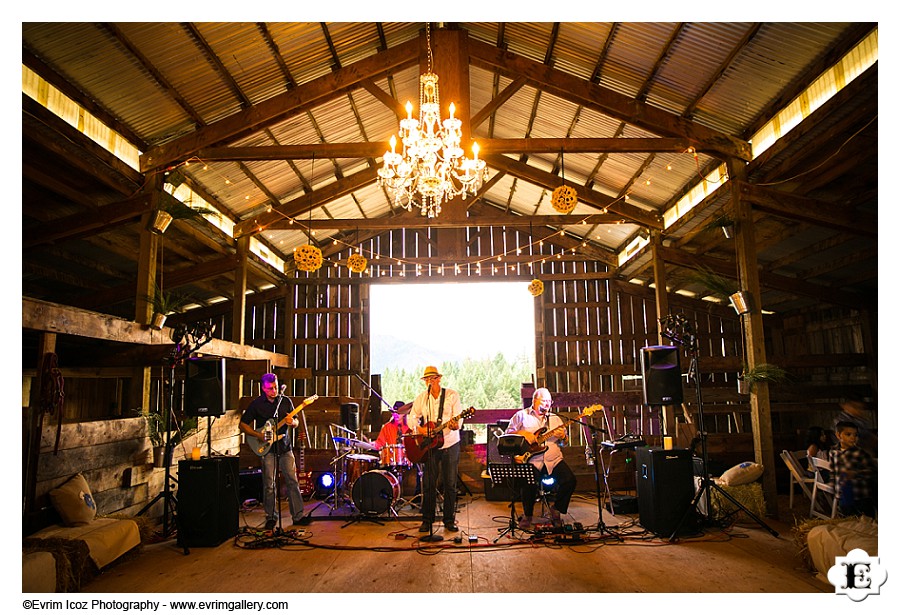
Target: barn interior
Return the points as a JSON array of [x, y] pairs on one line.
[[207, 202]]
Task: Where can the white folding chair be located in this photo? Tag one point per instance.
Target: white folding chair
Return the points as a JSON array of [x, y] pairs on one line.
[[793, 461], [824, 487]]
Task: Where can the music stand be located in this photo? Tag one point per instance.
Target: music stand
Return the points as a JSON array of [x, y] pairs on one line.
[[510, 472]]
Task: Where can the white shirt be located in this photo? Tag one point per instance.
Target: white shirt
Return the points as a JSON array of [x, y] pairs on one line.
[[528, 420], [425, 407]]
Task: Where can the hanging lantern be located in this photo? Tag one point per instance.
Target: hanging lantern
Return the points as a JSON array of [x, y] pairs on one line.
[[536, 287], [564, 199], [308, 258], [357, 263]]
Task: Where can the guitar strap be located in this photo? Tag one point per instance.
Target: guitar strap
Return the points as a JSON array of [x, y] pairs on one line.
[[441, 405]]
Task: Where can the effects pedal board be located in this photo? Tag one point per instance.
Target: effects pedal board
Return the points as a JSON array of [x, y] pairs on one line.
[[570, 533]]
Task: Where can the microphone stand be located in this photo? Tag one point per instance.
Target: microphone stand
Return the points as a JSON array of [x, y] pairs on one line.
[[275, 438], [601, 526]]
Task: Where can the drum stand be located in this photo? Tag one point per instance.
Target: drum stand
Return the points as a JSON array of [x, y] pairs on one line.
[[510, 472]]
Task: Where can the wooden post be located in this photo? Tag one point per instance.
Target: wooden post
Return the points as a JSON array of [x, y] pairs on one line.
[[32, 453], [239, 314], [662, 310], [760, 408]]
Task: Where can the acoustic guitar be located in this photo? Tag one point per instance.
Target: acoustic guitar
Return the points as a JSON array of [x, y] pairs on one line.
[[537, 439], [418, 446], [270, 429]]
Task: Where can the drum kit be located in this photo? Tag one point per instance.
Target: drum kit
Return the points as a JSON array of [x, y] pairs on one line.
[[372, 478]]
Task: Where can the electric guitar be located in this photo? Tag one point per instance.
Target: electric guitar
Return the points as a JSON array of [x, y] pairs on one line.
[[536, 440], [270, 429], [418, 446], [304, 478]]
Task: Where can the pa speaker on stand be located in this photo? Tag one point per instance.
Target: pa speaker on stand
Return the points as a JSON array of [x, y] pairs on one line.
[[204, 387], [661, 375]]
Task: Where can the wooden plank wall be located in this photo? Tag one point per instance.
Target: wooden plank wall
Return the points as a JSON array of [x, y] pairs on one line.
[[116, 459]]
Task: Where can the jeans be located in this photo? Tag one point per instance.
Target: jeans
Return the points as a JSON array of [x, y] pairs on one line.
[[288, 469], [442, 463]]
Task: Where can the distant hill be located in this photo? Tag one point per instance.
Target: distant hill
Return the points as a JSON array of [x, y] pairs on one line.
[[396, 353]]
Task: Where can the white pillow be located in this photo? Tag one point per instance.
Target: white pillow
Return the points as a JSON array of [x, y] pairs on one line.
[[741, 474]]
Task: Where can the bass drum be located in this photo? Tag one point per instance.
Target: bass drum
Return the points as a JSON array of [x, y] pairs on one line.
[[375, 492]]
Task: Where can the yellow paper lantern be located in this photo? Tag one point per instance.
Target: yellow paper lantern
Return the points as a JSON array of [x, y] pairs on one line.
[[357, 263], [308, 258], [536, 287], [564, 199]]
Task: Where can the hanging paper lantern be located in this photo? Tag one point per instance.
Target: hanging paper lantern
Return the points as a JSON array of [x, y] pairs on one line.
[[357, 263], [536, 287], [308, 258], [564, 199]]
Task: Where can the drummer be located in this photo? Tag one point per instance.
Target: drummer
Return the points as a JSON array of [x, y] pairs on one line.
[[392, 431]]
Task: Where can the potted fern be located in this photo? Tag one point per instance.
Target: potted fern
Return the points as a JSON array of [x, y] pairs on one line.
[[171, 208], [763, 372], [717, 285], [165, 303], [156, 432], [723, 222]]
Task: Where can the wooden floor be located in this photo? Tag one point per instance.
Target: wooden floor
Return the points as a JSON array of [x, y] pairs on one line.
[[339, 554]]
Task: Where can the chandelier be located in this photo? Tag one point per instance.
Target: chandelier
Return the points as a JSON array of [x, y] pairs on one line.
[[431, 167]]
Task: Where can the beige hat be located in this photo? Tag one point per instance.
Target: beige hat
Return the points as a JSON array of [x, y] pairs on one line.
[[430, 371]]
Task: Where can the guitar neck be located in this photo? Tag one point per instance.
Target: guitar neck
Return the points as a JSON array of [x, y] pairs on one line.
[[290, 416]]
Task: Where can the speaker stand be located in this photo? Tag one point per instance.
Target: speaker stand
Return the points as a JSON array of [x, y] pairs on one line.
[[681, 332]]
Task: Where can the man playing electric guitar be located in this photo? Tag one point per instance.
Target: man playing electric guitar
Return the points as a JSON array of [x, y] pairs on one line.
[[544, 456], [438, 406], [274, 405]]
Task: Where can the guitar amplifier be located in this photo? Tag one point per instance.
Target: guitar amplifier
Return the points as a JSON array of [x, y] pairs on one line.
[[251, 485]]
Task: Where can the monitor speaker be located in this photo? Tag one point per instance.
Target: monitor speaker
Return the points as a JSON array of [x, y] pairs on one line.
[[665, 490], [204, 387], [661, 372], [208, 492], [350, 416]]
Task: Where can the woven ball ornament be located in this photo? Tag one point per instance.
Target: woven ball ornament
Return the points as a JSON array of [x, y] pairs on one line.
[[308, 258], [357, 263], [564, 199], [536, 287]]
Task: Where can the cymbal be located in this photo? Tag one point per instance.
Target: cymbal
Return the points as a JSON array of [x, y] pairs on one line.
[[341, 440], [365, 445]]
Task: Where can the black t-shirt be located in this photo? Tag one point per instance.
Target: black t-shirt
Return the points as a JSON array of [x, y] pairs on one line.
[[261, 410]]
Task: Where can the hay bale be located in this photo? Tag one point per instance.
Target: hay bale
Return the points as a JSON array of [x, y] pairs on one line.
[[750, 496]]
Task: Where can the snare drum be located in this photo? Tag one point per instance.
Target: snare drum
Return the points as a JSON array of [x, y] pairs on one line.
[[394, 455], [375, 492], [358, 464]]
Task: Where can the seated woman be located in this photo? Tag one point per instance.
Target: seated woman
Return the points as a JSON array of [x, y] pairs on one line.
[[818, 442]]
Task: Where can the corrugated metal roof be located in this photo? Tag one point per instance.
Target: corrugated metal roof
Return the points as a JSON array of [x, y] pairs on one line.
[[696, 68]]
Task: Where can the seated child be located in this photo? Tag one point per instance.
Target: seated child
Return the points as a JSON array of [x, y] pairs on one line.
[[854, 472]]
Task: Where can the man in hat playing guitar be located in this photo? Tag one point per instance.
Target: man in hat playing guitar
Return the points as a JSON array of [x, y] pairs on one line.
[[436, 417], [273, 406], [538, 420]]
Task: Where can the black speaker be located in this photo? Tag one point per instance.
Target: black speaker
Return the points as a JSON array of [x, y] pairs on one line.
[[661, 371], [208, 491], [251, 485], [350, 416], [665, 490], [204, 387]]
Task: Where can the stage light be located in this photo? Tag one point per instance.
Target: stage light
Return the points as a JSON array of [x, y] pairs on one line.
[[548, 482], [324, 485]]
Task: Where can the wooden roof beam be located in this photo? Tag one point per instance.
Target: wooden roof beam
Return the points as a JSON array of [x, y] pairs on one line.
[[590, 197], [302, 98], [591, 96]]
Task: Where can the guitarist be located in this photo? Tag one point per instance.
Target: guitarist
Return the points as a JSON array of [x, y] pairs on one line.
[[433, 406], [273, 404], [538, 420]]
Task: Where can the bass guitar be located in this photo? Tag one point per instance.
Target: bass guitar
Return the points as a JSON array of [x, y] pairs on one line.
[[270, 429], [418, 446], [537, 439]]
